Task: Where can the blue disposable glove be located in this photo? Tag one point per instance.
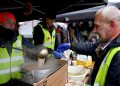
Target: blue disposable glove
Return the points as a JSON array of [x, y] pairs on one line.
[[57, 55], [62, 47]]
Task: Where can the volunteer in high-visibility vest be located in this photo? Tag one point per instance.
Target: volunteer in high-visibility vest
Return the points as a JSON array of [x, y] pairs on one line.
[[44, 34], [107, 25], [10, 59], [49, 37], [106, 71]]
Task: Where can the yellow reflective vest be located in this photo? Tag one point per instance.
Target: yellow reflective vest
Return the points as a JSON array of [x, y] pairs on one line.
[[102, 72], [49, 41], [10, 65]]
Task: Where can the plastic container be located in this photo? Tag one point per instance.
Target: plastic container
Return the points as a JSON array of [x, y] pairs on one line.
[[75, 70], [76, 73]]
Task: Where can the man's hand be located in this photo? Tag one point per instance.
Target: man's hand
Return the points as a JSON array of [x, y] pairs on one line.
[[57, 55], [62, 47]]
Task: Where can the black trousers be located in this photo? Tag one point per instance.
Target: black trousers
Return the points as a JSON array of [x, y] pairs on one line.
[[16, 82]]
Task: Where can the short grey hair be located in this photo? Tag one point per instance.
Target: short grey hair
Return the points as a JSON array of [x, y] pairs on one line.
[[110, 12]]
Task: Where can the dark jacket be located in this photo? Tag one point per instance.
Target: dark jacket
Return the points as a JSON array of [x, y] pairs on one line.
[[113, 75]]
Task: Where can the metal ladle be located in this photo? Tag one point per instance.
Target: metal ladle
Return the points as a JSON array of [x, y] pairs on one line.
[[42, 55]]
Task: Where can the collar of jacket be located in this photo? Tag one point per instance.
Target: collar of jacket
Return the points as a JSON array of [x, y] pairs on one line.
[[115, 42], [112, 44], [45, 26], [102, 50], [2, 42]]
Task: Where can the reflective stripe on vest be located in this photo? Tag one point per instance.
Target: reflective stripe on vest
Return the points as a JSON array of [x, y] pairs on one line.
[[48, 40], [101, 75], [10, 65]]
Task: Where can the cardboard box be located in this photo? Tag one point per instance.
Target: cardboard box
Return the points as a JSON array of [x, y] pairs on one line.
[[57, 78]]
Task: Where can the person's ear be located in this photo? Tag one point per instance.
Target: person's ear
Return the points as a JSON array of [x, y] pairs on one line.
[[112, 24]]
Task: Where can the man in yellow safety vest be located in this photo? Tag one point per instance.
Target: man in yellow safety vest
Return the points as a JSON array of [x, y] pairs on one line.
[[10, 59], [106, 71]]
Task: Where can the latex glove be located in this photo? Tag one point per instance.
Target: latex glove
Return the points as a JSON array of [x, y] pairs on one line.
[[57, 55], [62, 47]]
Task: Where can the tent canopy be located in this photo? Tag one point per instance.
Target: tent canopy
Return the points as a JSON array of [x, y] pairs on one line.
[[40, 7], [81, 15]]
